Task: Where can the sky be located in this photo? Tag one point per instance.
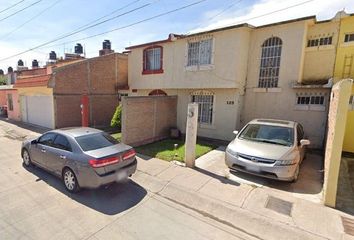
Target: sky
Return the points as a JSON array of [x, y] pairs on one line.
[[25, 24]]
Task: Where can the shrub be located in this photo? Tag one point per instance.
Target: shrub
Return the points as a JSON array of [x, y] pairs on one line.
[[117, 117]]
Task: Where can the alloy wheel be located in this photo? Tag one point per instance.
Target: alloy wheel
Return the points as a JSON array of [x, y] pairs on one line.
[[26, 158], [69, 180]]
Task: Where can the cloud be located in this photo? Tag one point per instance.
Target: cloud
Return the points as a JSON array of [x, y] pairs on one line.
[[323, 9]]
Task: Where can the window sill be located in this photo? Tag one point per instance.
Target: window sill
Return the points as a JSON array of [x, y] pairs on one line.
[[319, 48], [144, 72], [316, 108], [267, 90], [206, 126], [200, 67], [347, 44]]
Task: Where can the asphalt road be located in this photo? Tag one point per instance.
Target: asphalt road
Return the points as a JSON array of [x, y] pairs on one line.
[[35, 205]]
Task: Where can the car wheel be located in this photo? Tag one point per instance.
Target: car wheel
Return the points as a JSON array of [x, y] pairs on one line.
[[296, 174], [26, 158], [70, 181]]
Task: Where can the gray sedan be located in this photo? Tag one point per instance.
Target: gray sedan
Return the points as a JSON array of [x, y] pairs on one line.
[[269, 148], [81, 157]]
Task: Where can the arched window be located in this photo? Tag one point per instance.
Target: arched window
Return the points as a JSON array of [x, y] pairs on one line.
[[152, 60], [157, 92], [270, 63]]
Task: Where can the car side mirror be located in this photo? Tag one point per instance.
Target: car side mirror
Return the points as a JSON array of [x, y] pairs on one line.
[[35, 141], [235, 132], [304, 142]]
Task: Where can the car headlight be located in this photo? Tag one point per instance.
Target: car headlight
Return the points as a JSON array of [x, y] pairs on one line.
[[233, 153], [285, 162]]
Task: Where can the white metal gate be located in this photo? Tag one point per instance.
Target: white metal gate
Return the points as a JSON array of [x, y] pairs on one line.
[[38, 110]]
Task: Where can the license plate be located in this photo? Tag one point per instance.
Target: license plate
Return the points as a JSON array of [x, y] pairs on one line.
[[122, 175], [252, 168]]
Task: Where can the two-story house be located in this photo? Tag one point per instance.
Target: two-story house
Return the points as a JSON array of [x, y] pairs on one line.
[[209, 68], [282, 70]]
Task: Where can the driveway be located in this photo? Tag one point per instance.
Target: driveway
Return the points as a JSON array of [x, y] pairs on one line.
[[308, 186]]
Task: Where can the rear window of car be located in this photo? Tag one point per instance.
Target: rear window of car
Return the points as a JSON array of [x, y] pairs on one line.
[[95, 141]]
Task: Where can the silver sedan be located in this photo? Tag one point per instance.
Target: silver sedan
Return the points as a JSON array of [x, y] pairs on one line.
[[81, 157], [269, 148]]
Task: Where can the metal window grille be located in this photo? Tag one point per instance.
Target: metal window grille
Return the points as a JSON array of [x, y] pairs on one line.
[[270, 63], [152, 59], [199, 53], [349, 37], [307, 100], [319, 42], [205, 103]]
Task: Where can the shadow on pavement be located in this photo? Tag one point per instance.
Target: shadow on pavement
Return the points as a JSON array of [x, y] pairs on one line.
[[222, 179], [111, 199]]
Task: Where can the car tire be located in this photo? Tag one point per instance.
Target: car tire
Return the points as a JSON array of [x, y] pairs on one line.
[[26, 158], [70, 181], [296, 175]]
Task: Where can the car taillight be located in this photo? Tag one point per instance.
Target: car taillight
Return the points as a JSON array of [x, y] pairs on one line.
[[131, 153], [103, 162]]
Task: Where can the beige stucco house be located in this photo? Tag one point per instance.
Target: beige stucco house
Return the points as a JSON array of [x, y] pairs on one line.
[[241, 72]]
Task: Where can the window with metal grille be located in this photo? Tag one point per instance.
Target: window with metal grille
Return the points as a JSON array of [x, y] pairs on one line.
[[199, 53], [349, 37], [313, 100], [10, 102], [270, 63], [319, 41], [205, 103], [152, 62]]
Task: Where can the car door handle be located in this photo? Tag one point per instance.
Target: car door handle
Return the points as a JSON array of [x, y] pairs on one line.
[[43, 150], [62, 157]]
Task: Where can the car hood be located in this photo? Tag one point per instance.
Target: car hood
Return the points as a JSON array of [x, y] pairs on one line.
[[259, 149]]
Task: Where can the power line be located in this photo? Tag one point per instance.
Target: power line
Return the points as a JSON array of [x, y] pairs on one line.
[[81, 30], [31, 5], [132, 24], [220, 13], [279, 10], [31, 19], [109, 14], [13, 5]]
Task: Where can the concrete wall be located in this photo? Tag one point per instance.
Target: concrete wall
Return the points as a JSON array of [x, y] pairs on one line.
[[147, 119], [319, 61], [337, 119], [228, 68], [99, 78]]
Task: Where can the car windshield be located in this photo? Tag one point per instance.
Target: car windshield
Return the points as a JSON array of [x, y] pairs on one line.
[[268, 134], [95, 141]]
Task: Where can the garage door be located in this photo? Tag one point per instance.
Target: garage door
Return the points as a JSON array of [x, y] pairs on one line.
[[38, 110]]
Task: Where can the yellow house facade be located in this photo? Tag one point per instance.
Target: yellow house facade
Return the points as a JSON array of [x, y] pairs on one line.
[[344, 68]]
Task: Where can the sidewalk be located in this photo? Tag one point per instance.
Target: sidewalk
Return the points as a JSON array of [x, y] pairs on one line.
[[258, 211]]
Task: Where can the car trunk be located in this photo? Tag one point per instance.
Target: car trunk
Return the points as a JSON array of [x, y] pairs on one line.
[[111, 152]]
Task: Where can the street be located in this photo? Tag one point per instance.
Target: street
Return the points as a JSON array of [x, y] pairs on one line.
[[35, 205]]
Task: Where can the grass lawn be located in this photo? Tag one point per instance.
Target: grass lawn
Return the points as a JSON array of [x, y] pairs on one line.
[[165, 149], [117, 136]]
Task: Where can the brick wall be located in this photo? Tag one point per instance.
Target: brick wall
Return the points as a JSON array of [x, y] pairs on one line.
[[98, 78], [148, 119], [67, 111], [102, 109]]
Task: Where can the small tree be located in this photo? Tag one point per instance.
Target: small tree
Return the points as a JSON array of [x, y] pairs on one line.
[[117, 117]]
